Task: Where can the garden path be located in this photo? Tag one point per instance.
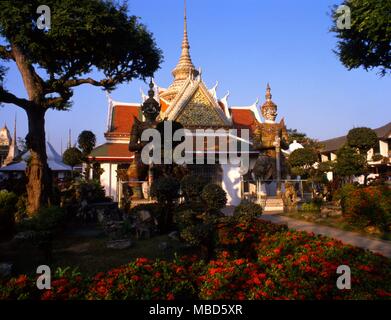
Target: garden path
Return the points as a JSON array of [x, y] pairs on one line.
[[378, 246]]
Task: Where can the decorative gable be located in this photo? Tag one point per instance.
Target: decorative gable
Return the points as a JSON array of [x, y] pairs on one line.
[[200, 112]]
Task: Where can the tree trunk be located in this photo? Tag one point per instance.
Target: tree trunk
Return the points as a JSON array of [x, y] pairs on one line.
[[38, 172]]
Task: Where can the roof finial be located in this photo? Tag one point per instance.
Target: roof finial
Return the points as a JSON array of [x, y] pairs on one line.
[[185, 69], [268, 92]]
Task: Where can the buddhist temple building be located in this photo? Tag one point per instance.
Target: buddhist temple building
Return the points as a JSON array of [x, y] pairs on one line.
[[190, 102]]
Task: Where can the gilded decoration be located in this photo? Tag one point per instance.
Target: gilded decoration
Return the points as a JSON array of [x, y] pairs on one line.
[[200, 112]]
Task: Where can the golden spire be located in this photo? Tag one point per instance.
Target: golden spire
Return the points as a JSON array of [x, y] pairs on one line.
[[269, 108], [268, 95], [185, 68]]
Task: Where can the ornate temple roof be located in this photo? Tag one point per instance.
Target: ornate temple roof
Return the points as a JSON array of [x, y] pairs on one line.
[[184, 69], [5, 136], [187, 100]]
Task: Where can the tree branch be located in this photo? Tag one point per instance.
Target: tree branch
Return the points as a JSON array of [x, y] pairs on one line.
[[8, 97], [6, 54]]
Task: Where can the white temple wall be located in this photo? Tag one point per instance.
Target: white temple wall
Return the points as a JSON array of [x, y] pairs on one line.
[[109, 180]]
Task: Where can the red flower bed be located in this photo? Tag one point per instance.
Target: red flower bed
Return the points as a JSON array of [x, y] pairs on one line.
[[277, 264]]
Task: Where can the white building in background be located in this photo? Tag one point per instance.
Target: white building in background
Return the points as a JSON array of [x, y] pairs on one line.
[[383, 148]]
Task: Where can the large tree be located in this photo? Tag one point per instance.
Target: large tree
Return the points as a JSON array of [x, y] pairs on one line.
[[363, 139], [302, 138], [349, 163], [367, 42], [89, 42]]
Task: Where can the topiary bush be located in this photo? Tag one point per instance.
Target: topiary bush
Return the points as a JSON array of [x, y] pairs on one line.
[[370, 206], [191, 187], [310, 207], [214, 197], [248, 209], [165, 189], [8, 201], [45, 220]]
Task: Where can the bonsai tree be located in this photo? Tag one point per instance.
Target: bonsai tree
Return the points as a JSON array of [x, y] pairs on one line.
[[166, 191], [86, 142], [349, 163], [302, 160], [215, 198], [191, 187], [367, 42], [363, 139], [72, 157], [84, 36], [200, 230]]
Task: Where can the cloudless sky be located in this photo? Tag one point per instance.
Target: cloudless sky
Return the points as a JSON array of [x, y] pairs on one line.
[[243, 45]]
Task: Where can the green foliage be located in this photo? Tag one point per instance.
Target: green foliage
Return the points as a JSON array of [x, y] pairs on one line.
[[185, 218], [45, 220], [303, 139], [191, 187], [86, 142], [363, 139], [246, 211], [369, 206], [310, 207], [8, 201], [349, 162], [214, 197], [72, 157], [84, 35], [343, 193], [90, 190], [165, 189], [367, 43], [303, 158]]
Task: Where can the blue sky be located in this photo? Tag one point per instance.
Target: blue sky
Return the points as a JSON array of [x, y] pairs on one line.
[[243, 45]]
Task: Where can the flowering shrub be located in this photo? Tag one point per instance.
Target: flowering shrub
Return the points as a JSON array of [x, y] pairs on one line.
[[370, 206], [284, 264]]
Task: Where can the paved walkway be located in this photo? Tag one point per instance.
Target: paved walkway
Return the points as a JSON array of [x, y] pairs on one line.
[[355, 239]]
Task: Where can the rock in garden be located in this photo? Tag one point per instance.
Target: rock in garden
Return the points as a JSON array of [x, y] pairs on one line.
[[164, 246], [119, 244], [373, 230], [144, 215], [174, 235], [24, 236], [5, 270]]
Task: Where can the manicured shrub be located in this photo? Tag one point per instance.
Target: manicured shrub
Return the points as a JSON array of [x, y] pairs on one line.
[[370, 206], [191, 187], [8, 201], [214, 197], [165, 189], [45, 220], [343, 193], [310, 207], [247, 211]]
